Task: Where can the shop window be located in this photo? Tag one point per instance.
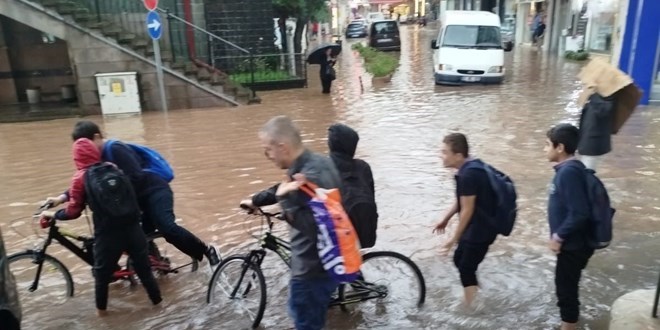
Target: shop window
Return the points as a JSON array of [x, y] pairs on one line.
[[603, 17]]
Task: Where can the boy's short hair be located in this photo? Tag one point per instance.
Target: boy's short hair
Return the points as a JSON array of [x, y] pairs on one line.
[[458, 144], [565, 134], [85, 129]]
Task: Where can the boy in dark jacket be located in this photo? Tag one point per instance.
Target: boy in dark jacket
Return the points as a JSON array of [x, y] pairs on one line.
[[569, 212], [358, 192], [111, 238]]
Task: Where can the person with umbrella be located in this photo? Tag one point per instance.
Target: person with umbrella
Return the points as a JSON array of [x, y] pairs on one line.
[[325, 56]]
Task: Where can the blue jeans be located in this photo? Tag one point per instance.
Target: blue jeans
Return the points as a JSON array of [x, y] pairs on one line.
[[309, 300]]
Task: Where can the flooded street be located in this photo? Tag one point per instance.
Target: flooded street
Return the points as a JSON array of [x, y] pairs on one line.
[[218, 161]]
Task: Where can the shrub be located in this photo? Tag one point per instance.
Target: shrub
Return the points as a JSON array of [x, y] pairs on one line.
[[378, 63], [580, 55]]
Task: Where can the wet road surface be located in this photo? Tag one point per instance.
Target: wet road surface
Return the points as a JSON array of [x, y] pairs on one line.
[[218, 162]]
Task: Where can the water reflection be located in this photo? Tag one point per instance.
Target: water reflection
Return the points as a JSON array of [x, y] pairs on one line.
[[218, 161]]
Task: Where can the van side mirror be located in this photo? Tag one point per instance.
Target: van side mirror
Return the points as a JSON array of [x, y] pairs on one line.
[[434, 44], [508, 46]]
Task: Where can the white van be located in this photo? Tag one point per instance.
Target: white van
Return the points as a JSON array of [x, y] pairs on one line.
[[468, 48], [375, 16]]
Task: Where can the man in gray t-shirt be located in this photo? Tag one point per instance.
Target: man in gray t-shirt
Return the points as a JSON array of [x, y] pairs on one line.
[[310, 288]]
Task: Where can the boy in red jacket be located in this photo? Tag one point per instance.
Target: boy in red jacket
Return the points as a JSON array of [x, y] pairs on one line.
[[112, 236]]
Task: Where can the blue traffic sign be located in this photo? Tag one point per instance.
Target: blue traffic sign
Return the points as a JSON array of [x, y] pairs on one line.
[[154, 26]]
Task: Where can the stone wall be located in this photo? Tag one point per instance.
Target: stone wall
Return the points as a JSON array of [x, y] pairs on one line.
[[92, 54]]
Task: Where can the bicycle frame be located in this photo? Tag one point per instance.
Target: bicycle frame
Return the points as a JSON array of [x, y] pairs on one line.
[[364, 290], [60, 235]]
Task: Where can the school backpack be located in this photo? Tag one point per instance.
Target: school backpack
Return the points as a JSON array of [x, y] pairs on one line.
[[110, 194], [505, 191], [151, 160], [359, 203], [602, 212]]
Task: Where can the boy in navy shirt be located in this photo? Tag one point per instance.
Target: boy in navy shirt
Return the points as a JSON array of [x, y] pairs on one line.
[[475, 203], [569, 212]]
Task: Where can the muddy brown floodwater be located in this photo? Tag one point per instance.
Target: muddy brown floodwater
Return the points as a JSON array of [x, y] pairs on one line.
[[218, 162]]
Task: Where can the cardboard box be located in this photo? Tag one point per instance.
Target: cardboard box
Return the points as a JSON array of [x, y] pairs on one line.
[[601, 77]]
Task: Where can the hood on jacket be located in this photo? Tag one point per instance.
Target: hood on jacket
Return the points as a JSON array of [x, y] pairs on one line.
[[342, 140], [85, 153]]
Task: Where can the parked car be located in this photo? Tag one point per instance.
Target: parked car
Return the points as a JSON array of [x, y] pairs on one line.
[[384, 35], [10, 308], [356, 30], [361, 21]]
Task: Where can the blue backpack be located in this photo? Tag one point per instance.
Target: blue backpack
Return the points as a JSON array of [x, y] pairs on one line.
[[505, 190], [602, 212], [151, 160]]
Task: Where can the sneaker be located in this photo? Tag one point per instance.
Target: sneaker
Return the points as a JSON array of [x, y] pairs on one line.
[[212, 255]]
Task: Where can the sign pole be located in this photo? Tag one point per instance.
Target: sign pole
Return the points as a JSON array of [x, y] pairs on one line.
[[159, 74], [154, 28]]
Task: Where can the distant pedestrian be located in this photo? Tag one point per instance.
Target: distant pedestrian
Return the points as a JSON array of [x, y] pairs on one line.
[[595, 130], [327, 73]]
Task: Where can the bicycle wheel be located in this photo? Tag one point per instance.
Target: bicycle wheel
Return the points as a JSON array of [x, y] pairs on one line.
[[238, 286], [165, 260], [390, 286], [55, 284]]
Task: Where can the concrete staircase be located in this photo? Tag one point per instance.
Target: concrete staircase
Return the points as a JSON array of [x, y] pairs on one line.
[[103, 46]]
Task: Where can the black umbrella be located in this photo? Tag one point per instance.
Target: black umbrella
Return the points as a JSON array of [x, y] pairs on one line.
[[316, 54]]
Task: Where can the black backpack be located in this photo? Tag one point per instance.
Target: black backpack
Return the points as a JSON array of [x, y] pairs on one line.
[[602, 212], [358, 202], [110, 195], [505, 190]]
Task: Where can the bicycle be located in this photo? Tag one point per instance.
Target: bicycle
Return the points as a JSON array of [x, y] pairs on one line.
[[249, 277], [61, 287]]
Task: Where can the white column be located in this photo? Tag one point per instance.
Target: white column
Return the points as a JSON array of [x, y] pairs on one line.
[[521, 21]]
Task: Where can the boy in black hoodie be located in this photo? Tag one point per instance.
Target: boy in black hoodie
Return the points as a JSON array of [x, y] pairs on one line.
[[358, 192], [569, 212]]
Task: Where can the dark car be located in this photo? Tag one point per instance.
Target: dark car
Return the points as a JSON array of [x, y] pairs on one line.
[[10, 308], [384, 35], [356, 30]]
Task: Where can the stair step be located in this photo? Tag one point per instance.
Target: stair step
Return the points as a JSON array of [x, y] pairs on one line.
[[190, 69], [80, 17], [94, 24], [66, 8], [178, 66], [139, 43], [51, 3], [126, 38], [111, 31], [203, 75], [217, 80]]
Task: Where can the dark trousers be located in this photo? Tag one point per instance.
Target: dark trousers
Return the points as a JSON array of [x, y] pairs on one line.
[[108, 248], [326, 82], [567, 278], [158, 213], [364, 218], [309, 300], [467, 258]]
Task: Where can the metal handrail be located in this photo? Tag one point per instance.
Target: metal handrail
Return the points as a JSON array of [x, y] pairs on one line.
[[170, 15], [657, 298]]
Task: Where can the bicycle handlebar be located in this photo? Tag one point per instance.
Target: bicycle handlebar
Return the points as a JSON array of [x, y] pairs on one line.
[[259, 211]]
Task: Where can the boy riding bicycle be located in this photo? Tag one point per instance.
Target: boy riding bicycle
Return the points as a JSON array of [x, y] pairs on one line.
[[116, 217]]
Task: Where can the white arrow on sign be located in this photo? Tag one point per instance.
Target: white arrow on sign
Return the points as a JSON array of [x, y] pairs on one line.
[[154, 25]]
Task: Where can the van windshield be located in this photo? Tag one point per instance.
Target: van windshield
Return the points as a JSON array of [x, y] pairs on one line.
[[385, 27], [472, 36]]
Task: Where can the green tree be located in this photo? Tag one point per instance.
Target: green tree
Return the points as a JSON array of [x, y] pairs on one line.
[[302, 11]]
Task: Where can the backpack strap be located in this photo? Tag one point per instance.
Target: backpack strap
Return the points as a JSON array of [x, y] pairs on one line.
[[107, 151]]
